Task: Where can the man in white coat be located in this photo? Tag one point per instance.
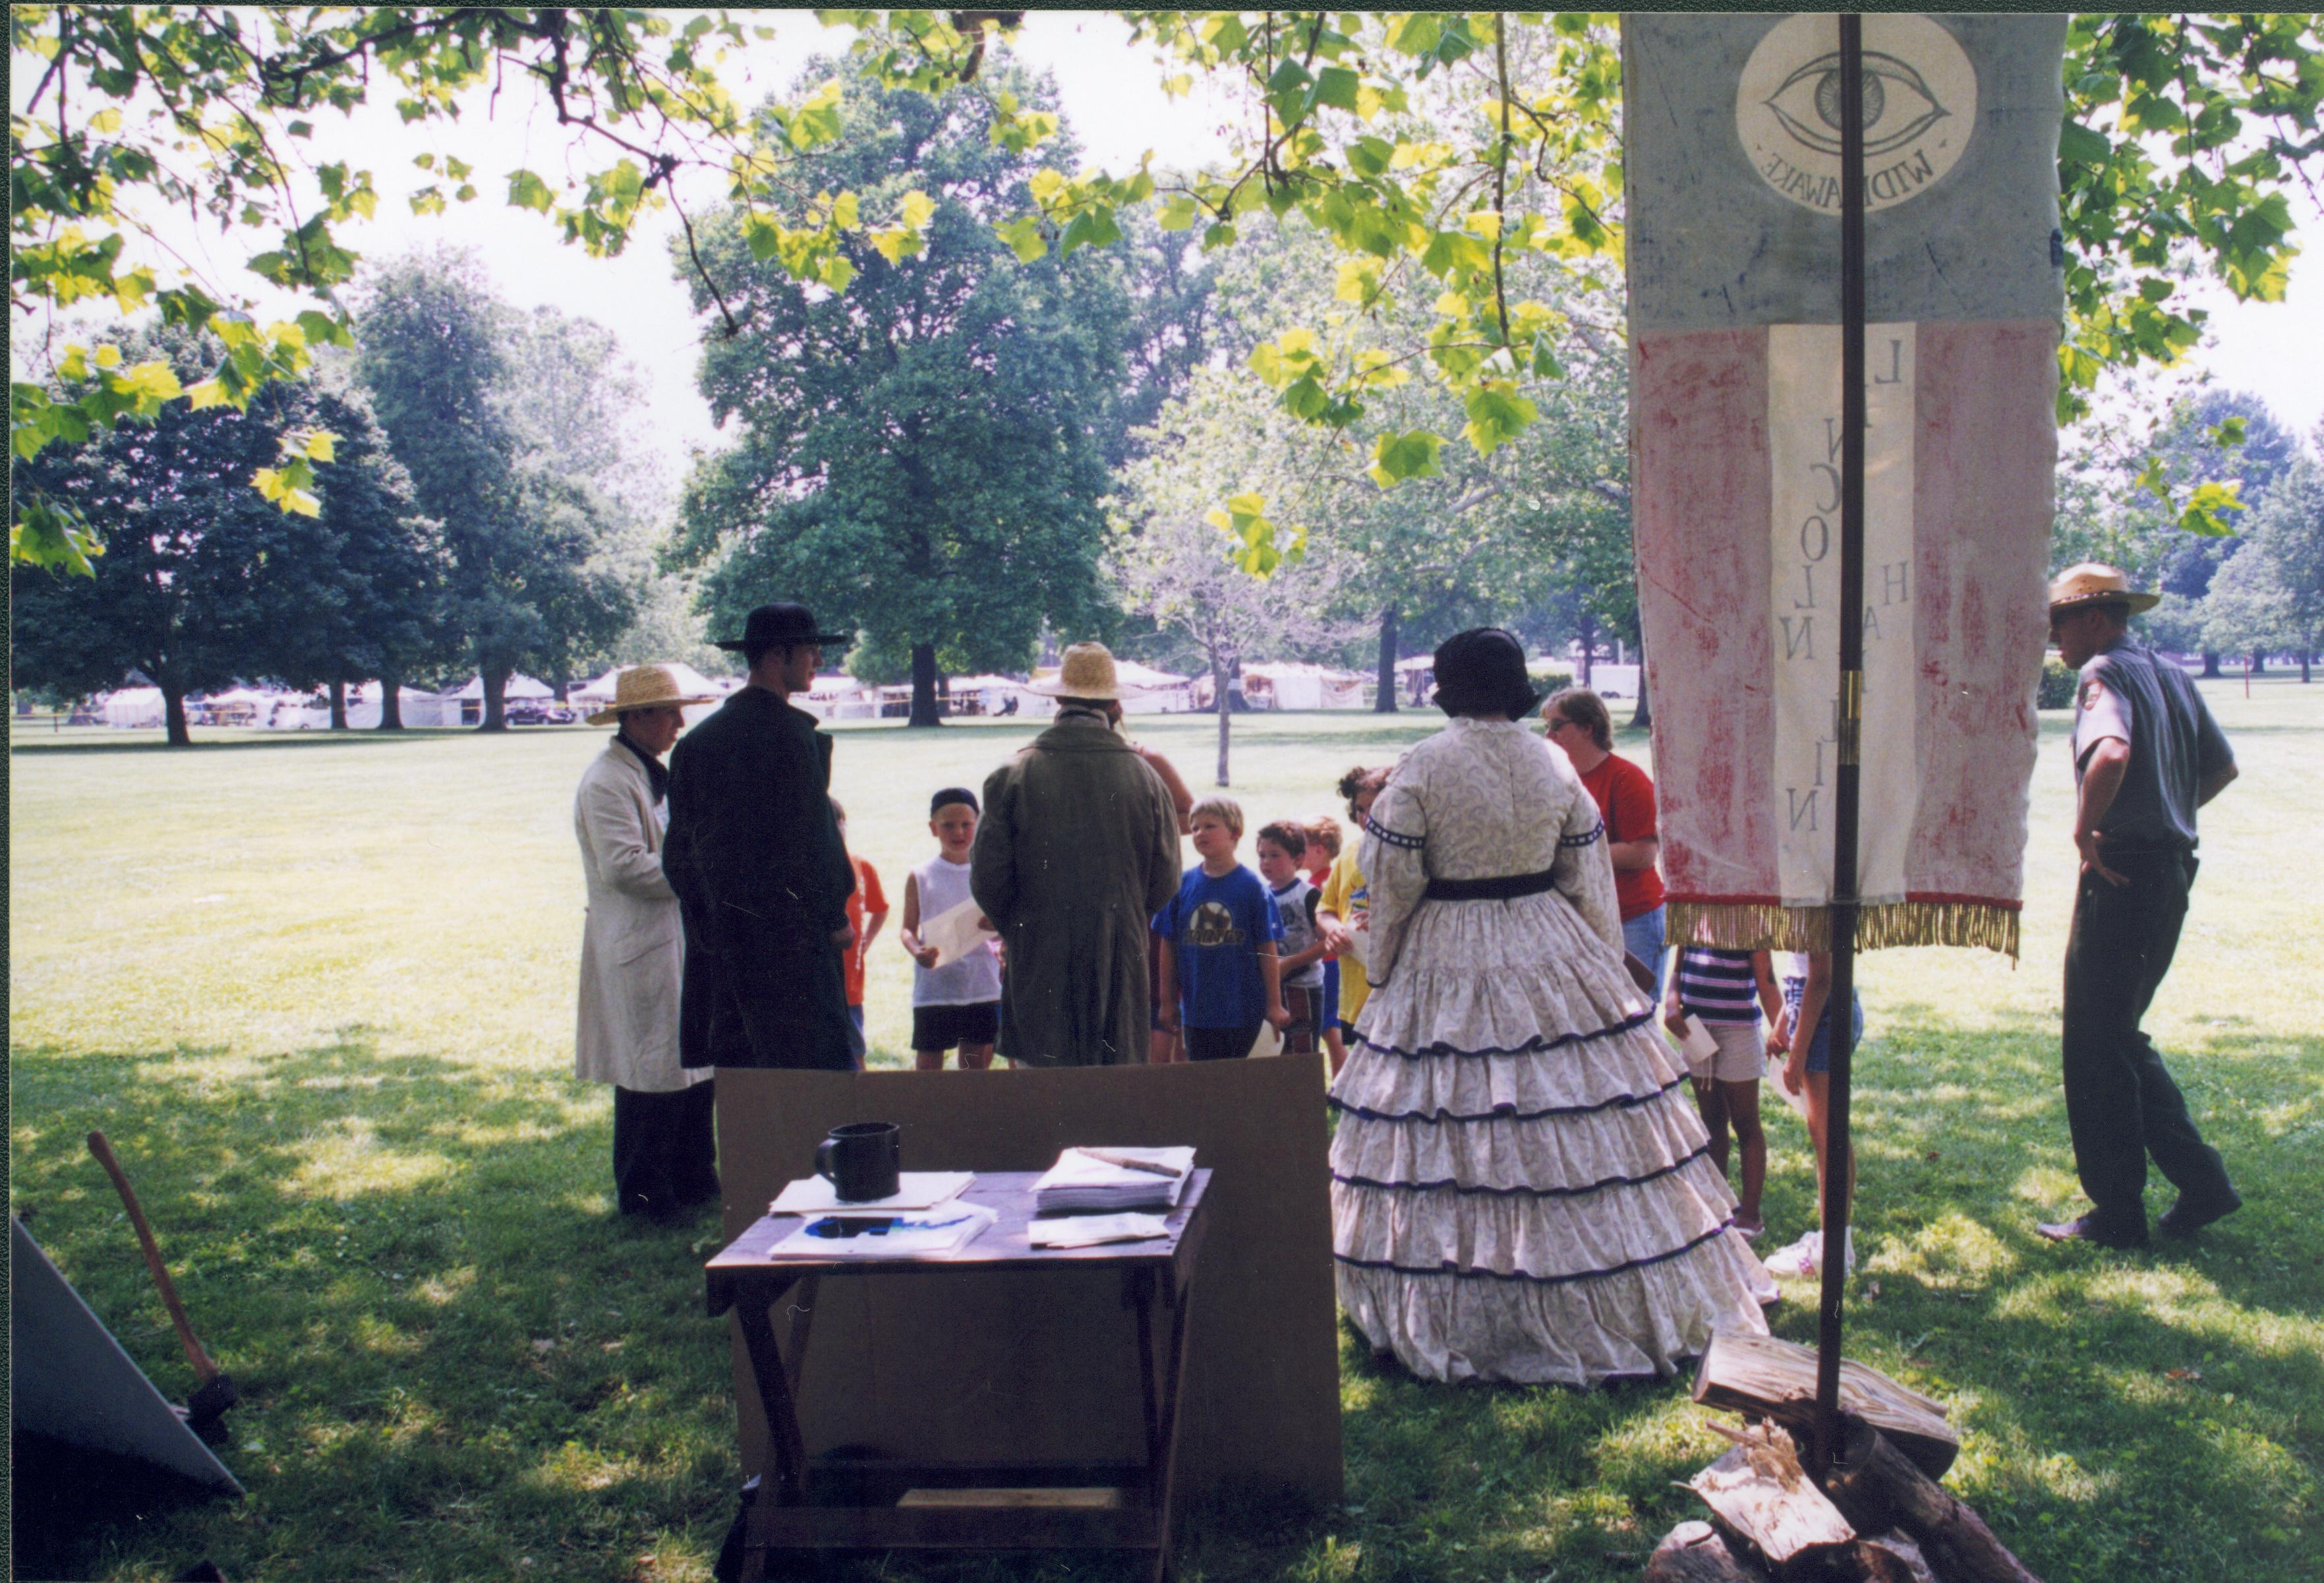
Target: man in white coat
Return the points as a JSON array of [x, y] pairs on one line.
[[632, 953]]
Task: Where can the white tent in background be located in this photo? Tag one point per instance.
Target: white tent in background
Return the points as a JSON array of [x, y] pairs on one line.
[[1290, 685], [519, 686], [838, 698], [587, 697], [412, 706], [133, 707]]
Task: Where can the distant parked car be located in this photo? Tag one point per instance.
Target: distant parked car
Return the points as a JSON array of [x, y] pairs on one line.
[[532, 714]]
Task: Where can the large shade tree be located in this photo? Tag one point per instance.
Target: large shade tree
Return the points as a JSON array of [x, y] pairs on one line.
[[199, 582], [919, 459], [538, 575], [2185, 136]]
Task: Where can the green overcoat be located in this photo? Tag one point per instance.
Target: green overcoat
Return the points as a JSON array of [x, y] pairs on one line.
[[1076, 851]]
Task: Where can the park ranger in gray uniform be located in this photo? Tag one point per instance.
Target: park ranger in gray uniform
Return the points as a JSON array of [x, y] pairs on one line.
[[2147, 756]]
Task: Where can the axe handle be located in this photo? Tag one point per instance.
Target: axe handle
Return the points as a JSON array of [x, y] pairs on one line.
[[194, 1353]]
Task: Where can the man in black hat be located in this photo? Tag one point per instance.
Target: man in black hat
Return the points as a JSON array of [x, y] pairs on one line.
[[754, 853]]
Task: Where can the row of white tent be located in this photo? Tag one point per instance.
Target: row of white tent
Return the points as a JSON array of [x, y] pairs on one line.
[[1148, 691]]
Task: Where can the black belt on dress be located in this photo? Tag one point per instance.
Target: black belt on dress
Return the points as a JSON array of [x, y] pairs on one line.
[[1501, 887]]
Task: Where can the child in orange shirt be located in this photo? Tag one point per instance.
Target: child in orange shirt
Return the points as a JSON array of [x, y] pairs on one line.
[[867, 909]]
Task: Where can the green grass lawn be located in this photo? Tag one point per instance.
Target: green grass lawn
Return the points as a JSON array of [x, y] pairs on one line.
[[319, 993]]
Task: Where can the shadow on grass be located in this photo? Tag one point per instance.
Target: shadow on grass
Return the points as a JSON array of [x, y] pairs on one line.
[[454, 1360]]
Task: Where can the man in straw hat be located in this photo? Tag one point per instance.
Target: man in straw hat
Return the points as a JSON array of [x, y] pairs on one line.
[[756, 859], [1078, 848], [632, 950], [2147, 756]]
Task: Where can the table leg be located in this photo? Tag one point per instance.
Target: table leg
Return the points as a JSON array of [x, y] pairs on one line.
[[1140, 1295], [802, 1316], [775, 1379], [1179, 1295]]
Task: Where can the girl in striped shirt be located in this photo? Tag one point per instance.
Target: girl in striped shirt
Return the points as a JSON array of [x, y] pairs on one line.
[[1728, 991]]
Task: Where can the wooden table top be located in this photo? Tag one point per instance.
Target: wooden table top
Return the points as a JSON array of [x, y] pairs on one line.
[[1003, 1246]]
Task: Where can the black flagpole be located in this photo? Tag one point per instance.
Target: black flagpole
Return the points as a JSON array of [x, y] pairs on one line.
[[1840, 1004]]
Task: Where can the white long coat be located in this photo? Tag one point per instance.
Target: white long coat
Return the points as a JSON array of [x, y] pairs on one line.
[[633, 949]]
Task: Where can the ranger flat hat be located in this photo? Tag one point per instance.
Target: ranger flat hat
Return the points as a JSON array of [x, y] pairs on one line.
[[1087, 672], [646, 687], [782, 622], [2094, 582]]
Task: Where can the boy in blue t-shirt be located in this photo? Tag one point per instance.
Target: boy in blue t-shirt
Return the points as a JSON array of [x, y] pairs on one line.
[[1218, 935]]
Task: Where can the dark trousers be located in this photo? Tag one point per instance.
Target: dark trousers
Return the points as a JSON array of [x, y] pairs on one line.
[[2121, 1105], [664, 1154]]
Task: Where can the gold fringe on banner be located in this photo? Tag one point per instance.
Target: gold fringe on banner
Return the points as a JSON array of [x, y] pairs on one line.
[[1753, 926]]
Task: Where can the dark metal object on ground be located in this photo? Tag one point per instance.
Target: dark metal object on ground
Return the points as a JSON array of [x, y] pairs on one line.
[[206, 1408]]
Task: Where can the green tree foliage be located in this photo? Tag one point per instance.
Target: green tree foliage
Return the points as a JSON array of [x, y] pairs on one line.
[[2271, 596], [916, 459], [2182, 140], [201, 582], [538, 576], [1167, 555]]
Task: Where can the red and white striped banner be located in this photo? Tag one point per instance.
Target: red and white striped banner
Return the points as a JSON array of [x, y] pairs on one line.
[[1735, 408]]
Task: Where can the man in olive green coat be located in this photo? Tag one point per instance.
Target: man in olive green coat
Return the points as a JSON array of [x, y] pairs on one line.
[[1078, 848]]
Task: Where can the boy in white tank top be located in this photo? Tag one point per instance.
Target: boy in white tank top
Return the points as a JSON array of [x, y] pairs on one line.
[[958, 1003]]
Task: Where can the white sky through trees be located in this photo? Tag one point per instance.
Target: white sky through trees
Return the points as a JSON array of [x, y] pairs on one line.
[[1114, 105]]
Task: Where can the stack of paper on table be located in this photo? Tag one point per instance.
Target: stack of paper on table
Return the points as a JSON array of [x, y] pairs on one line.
[[916, 1189], [1092, 1177], [1090, 1230]]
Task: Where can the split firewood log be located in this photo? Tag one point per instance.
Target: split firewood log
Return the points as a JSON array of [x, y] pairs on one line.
[[1696, 1553], [1879, 1487]]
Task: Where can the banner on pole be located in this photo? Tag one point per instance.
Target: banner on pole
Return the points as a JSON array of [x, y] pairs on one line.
[[1732, 175]]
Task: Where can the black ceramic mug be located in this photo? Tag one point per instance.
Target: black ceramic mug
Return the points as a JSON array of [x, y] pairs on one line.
[[861, 1160]]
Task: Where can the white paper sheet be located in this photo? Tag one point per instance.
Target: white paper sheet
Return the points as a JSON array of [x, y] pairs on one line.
[[916, 1189], [955, 933], [940, 1230], [1090, 1230]]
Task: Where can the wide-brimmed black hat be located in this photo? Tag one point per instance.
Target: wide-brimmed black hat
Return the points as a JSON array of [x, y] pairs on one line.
[[1482, 672], [780, 623]]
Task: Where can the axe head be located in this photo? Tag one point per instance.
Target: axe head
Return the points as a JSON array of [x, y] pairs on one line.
[[205, 1408]]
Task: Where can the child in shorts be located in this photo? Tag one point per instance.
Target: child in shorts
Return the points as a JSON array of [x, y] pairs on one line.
[[1280, 846], [1802, 1036], [1219, 938], [1728, 991], [958, 1003]]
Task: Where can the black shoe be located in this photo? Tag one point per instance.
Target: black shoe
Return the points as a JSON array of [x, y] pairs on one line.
[[2194, 1212], [2091, 1230]]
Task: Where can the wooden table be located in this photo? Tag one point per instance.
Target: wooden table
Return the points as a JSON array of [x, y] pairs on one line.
[[839, 1503]]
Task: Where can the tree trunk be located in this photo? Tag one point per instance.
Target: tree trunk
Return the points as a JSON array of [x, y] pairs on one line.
[[2259, 662], [2305, 658], [1384, 703], [2210, 665], [924, 685], [1588, 649], [495, 700], [173, 714], [1219, 698], [390, 703], [1642, 719], [338, 704]]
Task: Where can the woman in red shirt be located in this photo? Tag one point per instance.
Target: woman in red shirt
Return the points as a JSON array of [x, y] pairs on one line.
[[1576, 720]]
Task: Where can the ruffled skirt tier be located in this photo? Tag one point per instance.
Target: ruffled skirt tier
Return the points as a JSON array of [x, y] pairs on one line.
[[1522, 1190]]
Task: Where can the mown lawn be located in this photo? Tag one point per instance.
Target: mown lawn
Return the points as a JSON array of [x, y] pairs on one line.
[[319, 995]]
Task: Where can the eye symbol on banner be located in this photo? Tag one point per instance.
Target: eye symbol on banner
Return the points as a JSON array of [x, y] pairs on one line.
[[1214, 925], [1808, 103], [1920, 109]]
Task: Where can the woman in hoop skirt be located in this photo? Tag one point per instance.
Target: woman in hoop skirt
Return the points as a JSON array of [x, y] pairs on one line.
[[1521, 1190]]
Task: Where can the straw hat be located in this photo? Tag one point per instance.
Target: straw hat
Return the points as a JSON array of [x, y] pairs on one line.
[[645, 687], [1087, 672], [2094, 582]]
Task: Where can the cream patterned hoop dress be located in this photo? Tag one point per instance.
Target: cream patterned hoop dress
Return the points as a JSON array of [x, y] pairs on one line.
[[1521, 1188]]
